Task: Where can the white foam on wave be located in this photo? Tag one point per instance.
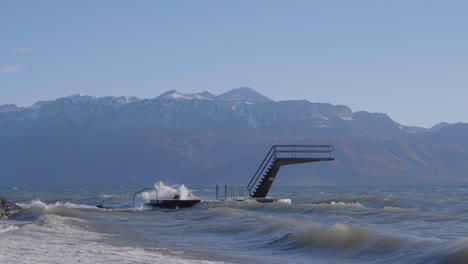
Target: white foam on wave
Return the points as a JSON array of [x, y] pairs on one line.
[[37, 203], [344, 238], [162, 192], [7, 228], [346, 205], [168, 192], [283, 200], [57, 239], [108, 196]]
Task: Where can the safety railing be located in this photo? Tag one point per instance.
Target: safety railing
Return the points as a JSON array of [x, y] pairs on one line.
[[145, 190], [289, 152]]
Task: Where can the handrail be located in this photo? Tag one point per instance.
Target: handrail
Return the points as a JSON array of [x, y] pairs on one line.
[[296, 151], [260, 169], [146, 189]]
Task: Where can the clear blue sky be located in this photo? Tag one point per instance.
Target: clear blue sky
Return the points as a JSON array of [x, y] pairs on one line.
[[408, 59]]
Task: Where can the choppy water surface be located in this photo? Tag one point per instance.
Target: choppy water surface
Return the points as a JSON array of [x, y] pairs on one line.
[[416, 224]]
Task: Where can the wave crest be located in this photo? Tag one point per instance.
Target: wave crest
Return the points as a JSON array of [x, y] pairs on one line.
[[37, 203], [343, 238], [8, 228]]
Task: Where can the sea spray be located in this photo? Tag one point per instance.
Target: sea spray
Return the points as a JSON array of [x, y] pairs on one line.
[[169, 192], [38, 203], [162, 192], [7, 228]]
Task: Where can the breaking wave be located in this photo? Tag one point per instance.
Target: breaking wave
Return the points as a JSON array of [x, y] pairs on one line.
[[365, 198], [59, 239], [37, 203], [114, 196], [391, 209], [168, 192], [7, 228], [346, 240], [338, 236], [162, 192]]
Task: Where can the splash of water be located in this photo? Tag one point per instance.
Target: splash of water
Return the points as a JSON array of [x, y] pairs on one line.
[[169, 192]]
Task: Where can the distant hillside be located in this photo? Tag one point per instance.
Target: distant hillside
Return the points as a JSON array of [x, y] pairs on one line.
[[207, 139]]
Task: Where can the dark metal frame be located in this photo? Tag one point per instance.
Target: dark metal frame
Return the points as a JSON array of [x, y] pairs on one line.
[[144, 190], [289, 151]]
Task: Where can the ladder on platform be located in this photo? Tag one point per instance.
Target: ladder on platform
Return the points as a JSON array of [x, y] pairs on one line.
[[281, 155]]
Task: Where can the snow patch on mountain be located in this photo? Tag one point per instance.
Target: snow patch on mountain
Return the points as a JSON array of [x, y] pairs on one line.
[[127, 99], [173, 95], [319, 124], [412, 129], [322, 117], [107, 100]]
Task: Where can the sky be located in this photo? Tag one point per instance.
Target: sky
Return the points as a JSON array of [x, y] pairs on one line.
[[408, 59]]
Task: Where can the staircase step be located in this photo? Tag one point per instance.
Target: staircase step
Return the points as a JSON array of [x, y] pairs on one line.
[[281, 155]]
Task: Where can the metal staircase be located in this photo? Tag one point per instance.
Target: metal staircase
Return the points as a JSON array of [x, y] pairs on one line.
[[281, 155]]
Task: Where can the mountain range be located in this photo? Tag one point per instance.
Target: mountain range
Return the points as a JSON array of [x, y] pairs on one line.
[[202, 138]]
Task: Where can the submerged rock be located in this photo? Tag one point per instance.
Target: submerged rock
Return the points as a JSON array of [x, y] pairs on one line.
[[7, 208], [104, 206]]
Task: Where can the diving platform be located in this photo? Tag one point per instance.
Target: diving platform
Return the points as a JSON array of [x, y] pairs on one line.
[[282, 155], [261, 182]]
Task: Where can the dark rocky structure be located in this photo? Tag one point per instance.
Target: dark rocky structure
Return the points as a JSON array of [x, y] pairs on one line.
[[7, 208]]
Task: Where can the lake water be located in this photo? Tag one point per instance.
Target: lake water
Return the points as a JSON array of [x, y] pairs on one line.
[[371, 224]]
